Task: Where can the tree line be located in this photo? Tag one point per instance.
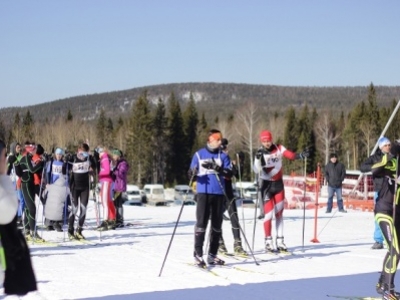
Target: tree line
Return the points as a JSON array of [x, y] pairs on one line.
[[159, 138]]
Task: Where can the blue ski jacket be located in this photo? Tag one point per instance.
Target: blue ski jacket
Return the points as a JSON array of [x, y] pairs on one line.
[[210, 181]]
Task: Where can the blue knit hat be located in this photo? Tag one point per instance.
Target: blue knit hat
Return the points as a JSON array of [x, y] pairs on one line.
[[59, 151], [383, 141]]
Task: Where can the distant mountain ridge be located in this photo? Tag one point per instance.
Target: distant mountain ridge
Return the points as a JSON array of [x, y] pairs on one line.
[[214, 99]]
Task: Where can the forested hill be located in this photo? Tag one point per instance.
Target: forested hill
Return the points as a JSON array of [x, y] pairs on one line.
[[213, 99]]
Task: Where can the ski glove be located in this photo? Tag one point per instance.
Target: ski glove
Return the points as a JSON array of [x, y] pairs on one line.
[[211, 165], [305, 154], [260, 152]]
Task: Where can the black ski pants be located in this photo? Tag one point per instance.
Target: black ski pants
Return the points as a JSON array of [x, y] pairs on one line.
[[391, 234], [230, 206], [28, 191], [82, 196], [118, 203], [208, 204]]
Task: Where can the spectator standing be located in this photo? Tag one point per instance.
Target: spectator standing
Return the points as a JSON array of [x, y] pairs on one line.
[[335, 173]]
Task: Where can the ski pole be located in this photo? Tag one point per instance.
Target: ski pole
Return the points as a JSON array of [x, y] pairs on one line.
[[241, 192], [176, 223], [327, 222], [304, 202], [68, 193], [392, 231], [255, 209], [37, 210], [240, 227]]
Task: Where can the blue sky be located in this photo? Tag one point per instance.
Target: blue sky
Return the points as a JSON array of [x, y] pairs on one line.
[[57, 49]]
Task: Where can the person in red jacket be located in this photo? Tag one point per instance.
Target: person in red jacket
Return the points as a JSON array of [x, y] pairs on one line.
[[268, 166]]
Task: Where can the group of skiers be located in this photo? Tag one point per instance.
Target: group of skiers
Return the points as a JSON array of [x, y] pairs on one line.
[[212, 169], [63, 182]]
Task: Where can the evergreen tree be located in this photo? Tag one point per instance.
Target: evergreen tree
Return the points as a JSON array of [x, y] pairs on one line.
[[290, 139], [101, 128], [27, 126], [177, 155], [159, 143], [3, 131], [138, 150], [393, 131], [202, 130], [109, 133], [306, 139], [352, 133], [370, 123], [191, 121], [69, 116]]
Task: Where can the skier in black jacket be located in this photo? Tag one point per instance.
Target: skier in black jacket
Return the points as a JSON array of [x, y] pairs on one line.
[[366, 166], [230, 205], [28, 168], [387, 215]]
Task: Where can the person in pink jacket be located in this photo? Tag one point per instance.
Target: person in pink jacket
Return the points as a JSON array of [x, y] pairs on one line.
[[105, 180]]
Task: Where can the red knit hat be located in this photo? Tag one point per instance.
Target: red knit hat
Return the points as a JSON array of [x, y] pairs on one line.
[[30, 148], [265, 136]]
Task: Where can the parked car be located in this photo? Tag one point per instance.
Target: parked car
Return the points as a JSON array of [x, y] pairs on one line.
[[246, 189], [154, 194], [183, 192], [247, 202], [132, 196]]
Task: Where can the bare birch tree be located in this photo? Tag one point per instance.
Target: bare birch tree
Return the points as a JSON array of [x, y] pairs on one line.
[[247, 119], [326, 134]]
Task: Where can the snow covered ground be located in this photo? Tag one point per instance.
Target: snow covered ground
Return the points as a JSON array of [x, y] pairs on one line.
[[126, 263]]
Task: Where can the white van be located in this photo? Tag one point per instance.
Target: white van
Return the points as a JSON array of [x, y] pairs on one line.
[[132, 195], [246, 189], [154, 194]]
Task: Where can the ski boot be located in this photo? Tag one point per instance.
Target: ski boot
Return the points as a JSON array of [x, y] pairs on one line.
[[36, 238], [78, 234], [390, 295], [199, 261], [28, 236], [280, 245], [57, 227], [377, 245], [222, 248], [103, 226], [111, 225], [238, 249], [269, 245], [214, 260], [71, 234], [382, 287]]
